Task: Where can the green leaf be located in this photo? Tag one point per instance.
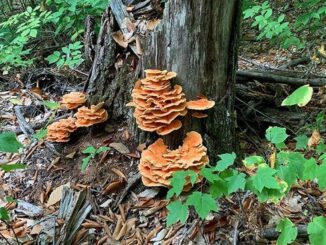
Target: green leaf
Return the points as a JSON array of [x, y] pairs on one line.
[[310, 169], [321, 173], [264, 179], [253, 161], [218, 188], [288, 174], [52, 105], [9, 143], [276, 135], [227, 160], [178, 181], [11, 167], [4, 215], [53, 58], [302, 141], [236, 182], [41, 134], [321, 148], [102, 149], [85, 162], [10, 199], [202, 202], [89, 150], [317, 231], [208, 173], [288, 231], [177, 211], [301, 96]]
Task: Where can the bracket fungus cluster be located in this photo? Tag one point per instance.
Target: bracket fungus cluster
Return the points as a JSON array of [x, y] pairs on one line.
[[157, 104], [89, 116], [200, 105], [60, 131], [73, 100], [158, 163]]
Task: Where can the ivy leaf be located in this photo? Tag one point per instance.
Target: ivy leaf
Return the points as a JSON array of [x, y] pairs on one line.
[[177, 211], [227, 160], [264, 178], [235, 182], [202, 202], [9, 143], [276, 135], [4, 215], [288, 231], [302, 141], [208, 173], [301, 96], [310, 169], [178, 181], [317, 231], [11, 167]]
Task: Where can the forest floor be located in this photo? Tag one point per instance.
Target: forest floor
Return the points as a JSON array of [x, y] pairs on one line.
[[113, 207]]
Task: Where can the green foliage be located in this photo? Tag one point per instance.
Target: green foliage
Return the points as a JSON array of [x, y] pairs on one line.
[[52, 105], [40, 134], [11, 167], [273, 25], [301, 96], [226, 161], [177, 211], [288, 231], [4, 215], [91, 151], [9, 143], [70, 56], [317, 231], [302, 141], [202, 202]]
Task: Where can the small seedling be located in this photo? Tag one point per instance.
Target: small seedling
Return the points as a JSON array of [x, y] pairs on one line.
[[92, 152]]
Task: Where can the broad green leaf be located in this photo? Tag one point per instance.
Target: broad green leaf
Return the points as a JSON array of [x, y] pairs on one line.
[[40, 134], [302, 141], [9, 143], [264, 178], [218, 188], [209, 174], [236, 182], [10, 199], [288, 231], [276, 135], [317, 231], [310, 169], [321, 148], [52, 105], [202, 202], [178, 181], [321, 173], [227, 160], [294, 159], [53, 58], [253, 161], [288, 174], [301, 96], [11, 167], [4, 215], [89, 150], [177, 211], [322, 158]]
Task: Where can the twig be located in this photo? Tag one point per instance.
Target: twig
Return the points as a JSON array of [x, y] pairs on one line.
[[2, 236], [24, 126], [12, 229], [235, 233], [296, 62]]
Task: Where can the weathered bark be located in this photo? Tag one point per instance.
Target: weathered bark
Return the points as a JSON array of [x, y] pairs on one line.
[[198, 40]]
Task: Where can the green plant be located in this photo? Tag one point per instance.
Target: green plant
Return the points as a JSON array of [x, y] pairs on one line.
[[71, 56], [91, 151], [288, 231]]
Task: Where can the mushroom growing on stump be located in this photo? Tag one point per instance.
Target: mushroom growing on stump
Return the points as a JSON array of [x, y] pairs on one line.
[[73, 100], [157, 104], [200, 105], [89, 116], [60, 131], [158, 163]]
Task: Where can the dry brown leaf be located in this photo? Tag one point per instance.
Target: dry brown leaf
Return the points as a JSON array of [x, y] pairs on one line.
[[314, 140], [151, 24], [55, 196], [119, 39], [36, 229], [141, 147], [113, 187], [119, 173], [120, 147]]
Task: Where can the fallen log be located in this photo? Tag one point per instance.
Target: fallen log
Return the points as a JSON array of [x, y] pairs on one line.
[[275, 77], [272, 234]]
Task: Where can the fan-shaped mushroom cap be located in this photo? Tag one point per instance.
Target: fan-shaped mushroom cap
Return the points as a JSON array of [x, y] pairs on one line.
[[201, 104], [89, 116], [199, 115], [158, 163], [60, 131], [157, 104], [73, 100]]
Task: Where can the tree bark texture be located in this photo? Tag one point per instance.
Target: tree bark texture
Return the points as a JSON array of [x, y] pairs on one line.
[[198, 40]]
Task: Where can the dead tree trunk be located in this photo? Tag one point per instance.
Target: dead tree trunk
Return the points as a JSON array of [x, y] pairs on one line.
[[196, 39]]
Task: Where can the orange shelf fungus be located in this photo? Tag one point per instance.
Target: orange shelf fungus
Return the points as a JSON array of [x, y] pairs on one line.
[[73, 100], [199, 115], [201, 104], [158, 163], [60, 131], [89, 116], [158, 104]]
